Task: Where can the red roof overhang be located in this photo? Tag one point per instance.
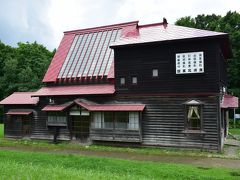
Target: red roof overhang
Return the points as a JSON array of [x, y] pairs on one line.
[[111, 107], [61, 107], [19, 112], [21, 98], [76, 90], [229, 101], [96, 107]]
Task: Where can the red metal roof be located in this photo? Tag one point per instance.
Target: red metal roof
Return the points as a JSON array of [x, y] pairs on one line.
[[163, 32], [58, 58], [85, 53], [110, 107], [229, 101], [20, 98], [76, 90], [60, 107], [19, 112]]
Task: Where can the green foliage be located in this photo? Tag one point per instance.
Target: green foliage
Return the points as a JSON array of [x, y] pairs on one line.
[[230, 23], [32, 165], [22, 68]]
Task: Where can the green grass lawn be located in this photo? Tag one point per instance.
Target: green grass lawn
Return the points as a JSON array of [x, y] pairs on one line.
[[32, 165], [47, 145], [235, 131], [1, 130]]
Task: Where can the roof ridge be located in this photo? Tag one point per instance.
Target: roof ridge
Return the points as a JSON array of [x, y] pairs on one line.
[[151, 25], [99, 28]]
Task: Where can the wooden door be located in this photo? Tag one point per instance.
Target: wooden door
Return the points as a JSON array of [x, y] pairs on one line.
[[26, 125], [80, 127]]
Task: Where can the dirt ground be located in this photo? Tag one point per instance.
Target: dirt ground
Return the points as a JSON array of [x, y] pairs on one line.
[[197, 161]]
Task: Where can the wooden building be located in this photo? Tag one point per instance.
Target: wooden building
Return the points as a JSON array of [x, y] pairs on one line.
[[145, 85]]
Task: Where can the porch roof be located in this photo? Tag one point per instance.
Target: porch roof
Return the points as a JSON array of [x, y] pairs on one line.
[[60, 107], [110, 107], [229, 101], [91, 106], [19, 112]]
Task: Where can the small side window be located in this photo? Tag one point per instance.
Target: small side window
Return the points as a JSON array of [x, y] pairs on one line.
[[134, 80], [155, 73], [122, 81], [194, 117]]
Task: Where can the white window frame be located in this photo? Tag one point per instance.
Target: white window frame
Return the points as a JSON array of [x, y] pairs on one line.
[[134, 80], [155, 73], [122, 81]]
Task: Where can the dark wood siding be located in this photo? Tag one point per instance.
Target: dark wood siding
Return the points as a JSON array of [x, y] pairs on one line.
[[163, 121], [41, 130], [115, 135], [140, 60], [13, 127]]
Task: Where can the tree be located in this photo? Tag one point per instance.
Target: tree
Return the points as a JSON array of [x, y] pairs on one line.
[[22, 68], [230, 24]]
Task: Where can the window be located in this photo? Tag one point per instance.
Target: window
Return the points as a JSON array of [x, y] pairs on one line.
[[121, 120], [194, 117], [155, 73], [108, 120], [78, 111], [134, 80], [56, 119], [116, 120], [97, 120], [122, 81], [192, 62], [133, 120]]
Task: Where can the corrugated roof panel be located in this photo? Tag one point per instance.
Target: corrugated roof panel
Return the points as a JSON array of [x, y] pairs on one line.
[[107, 53], [97, 53], [78, 55], [83, 53], [89, 55], [68, 56], [86, 57], [73, 56], [102, 52]]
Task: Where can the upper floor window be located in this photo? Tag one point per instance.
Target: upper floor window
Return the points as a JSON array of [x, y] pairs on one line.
[[134, 80], [122, 81], [155, 73], [192, 62]]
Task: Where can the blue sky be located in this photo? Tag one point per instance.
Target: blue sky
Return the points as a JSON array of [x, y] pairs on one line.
[[45, 20]]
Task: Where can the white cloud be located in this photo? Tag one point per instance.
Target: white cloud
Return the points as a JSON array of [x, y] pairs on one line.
[[45, 20]]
